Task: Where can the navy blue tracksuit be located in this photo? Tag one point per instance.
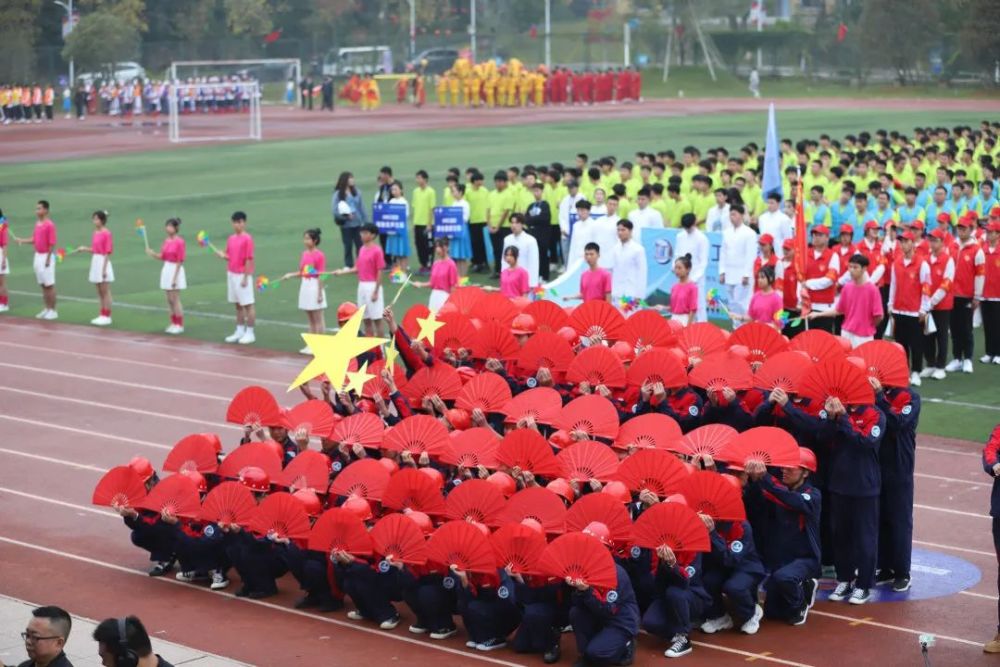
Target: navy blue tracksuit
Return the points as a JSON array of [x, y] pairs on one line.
[[424, 593], [740, 414], [200, 548], [539, 607], [683, 406], [605, 626], [680, 599], [257, 560], [991, 456], [897, 458], [488, 607], [733, 569], [371, 590], [310, 571], [855, 481], [152, 534]]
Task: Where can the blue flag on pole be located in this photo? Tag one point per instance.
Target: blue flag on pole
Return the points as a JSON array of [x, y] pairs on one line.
[[772, 158]]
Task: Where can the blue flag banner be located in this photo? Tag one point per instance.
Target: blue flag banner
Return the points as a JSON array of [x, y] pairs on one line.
[[449, 222], [771, 181], [389, 218]]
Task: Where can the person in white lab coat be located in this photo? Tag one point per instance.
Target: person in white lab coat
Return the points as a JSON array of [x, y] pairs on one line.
[[739, 249], [692, 241], [773, 221], [628, 272], [717, 217], [526, 245], [644, 216], [567, 209]]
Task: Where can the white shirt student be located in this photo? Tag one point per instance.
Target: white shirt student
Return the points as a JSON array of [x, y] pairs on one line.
[[628, 265], [526, 245], [692, 241], [736, 256], [644, 216], [773, 221]]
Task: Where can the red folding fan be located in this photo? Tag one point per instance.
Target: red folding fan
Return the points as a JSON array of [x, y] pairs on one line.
[[229, 503], [774, 447], [308, 470], [656, 470], [597, 365], [673, 525], [456, 333], [338, 529], [417, 434], [782, 370], [518, 547], [312, 418], [602, 508], [537, 503], [375, 386], [587, 460], [598, 318], [580, 556], [495, 341], [253, 406], [410, 488], [441, 380], [257, 454], [282, 515], [365, 478], [818, 344], [708, 492], [719, 370], [647, 328], [472, 448], [649, 431], [545, 350], [398, 537], [708, 439], [361, 428], [547, 315], [591, 413], [463, 545], [701, 339], [543, 404], [837, 378], [176, 495], [464, 298], [494, 307], [761, 340], [486, 391], [886, 362], [410, 324], [526, 449], [193, 452], [657, 365], [119, 487], [475, 500]]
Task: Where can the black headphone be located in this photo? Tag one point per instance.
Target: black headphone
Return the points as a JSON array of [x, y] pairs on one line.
[[124, 656]]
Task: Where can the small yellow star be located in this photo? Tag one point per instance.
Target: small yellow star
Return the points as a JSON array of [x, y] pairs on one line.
[[356, 380], [332, 354], [428, 325], [391, 356]]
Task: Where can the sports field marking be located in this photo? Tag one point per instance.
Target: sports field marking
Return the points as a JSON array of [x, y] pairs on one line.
[[61, 503], [897, 628], [49, 459], [978, 406], [118, 408], [984, 596], [951, 479], [950, 511], [120, 383], [948, 546], [752, 657], [939, 450], [81, 431]]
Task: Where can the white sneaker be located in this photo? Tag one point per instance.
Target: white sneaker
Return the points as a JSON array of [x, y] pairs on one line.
[[4, 308], [967, 366], [954, 365], [171, 329], [355, 615], [860, 596], [236, 335], [305, 350], [841, 592], [939, 374], [713, 625], [915, 379], [101, 321], [985, 359], [927, 372], [753, 624], [186, 576], [996, 361], [45, 311], [247, 338], [219, 580], [390, 624], [50, 315]]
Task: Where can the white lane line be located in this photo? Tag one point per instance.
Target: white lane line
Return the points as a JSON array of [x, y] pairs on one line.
[[49, 459], [886, 626], [925, 448], [120, 383], [752, 657], [951, 479], [61, 503], [81, 431], [950, 511], [978, 406], [979, 595], [938, 545]]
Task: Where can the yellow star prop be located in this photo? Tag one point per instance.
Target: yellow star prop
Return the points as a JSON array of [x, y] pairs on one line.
[[391, 356], [332, 354], [356, 380], [428, 325]]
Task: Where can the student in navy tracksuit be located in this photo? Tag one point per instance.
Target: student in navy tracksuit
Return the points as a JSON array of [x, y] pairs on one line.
[[794, 506], [488, 608], [150, 533], [605, 624], [679, 601], [432, 604], [371, 587], [201, 552], [991, 464], [896, 457], [683, 405], [258, 561], [310, 570], [733, 569], [855, 481], [732, 408], [538, 602]]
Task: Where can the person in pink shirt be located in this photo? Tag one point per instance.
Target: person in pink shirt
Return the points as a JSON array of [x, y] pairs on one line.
[[765, 303], [312, 294], [595, 282], [369, 266], [513, 279], [684, 293], [44, 239], [172, 253], [860, 303], [102, 273], [4, 266], [239, 256], [444, 275]]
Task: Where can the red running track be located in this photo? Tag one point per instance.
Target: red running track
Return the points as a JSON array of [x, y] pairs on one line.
[[75, 401]]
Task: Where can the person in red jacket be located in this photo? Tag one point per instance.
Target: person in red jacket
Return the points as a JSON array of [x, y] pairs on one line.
[[784, 271], [942, 267], [991, 294], [970, 273], [909, 303], [991, 464], [819, 290]]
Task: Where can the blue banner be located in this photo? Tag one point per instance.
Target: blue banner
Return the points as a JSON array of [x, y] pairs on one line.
[[449, 222], [660, 256], [389, 218]]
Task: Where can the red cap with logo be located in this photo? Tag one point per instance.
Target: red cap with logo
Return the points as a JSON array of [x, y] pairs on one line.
[[918, 224], [944, 216], [766, 238], [846, 229], [871, 224], [907, 236], [938, 234], [820, 229]]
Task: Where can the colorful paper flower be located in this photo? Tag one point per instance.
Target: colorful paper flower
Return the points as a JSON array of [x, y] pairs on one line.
[[202, 238]]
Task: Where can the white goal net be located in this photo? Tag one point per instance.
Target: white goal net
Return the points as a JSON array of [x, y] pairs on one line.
[[227, 110]]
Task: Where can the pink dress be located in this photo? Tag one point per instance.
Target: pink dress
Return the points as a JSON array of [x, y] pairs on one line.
[[444, 277], [312, 296], [314, 258], [684, 298], [763, 307], [101, 243], [514, 282], [595, 284], [173, 253], [173, 250]]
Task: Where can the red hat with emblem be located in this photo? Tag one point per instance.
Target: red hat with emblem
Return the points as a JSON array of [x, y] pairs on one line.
[[918, 224], [944, 216], [907, 236], [938, 234], [766, 238], [846, 229], [871, 224], [820, 229]]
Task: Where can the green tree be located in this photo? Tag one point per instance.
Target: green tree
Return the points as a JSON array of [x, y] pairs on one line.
[[249, 17], [898, 33], [18, 31], [981, 35], [132, 12], [102, 39]]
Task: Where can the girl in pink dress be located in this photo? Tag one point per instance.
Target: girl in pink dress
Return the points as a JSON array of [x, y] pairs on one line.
[[312, 294], [684, 293], [513, 279], [102, 274], [444, 275], [172, 253], [765, 303]]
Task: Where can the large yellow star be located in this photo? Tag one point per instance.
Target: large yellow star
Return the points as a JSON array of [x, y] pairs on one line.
[[428, 325], [332, 354], [356, 380]]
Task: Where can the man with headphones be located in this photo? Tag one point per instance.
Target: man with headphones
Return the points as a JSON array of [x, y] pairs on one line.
[[124, 642]]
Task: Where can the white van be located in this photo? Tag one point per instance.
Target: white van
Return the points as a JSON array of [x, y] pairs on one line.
[[358, 60]]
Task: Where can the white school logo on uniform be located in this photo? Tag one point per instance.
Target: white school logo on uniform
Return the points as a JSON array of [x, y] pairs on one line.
[[736, 547], [448, 582], [503, 593], [612, 596], [383, 566]]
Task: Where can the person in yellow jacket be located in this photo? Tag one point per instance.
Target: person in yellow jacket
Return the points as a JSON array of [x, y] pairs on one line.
[[502, 84], [490, 89], [527, 84], [5, 110], [453, 87], [539, 87], [441, 87]]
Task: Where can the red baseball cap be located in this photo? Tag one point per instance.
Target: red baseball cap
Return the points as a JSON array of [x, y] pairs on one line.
[[766, 238], [907, 235], [938, 234], [944, 216], [846, 229], [788, 244], [995, 212], [966, 220], [993, 226], [871, 224], [890, 223], [918, 224], [820, 229]]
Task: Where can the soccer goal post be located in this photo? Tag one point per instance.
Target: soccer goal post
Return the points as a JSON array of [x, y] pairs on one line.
[[228, 111]]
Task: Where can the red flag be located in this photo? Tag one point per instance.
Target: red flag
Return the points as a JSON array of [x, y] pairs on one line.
[[533, 32], [801, 244], [841, 32], [272, 37]]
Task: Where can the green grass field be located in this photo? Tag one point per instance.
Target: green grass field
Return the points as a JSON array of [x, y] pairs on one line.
[[285, 187]]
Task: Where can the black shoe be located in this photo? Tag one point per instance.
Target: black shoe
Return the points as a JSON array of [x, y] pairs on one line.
[[552, 655], [243, 592], [800, 617], [681, 646], [629, 654], [161, 568], [809, 587], [883, 577], [901, 584], [306, 602]]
